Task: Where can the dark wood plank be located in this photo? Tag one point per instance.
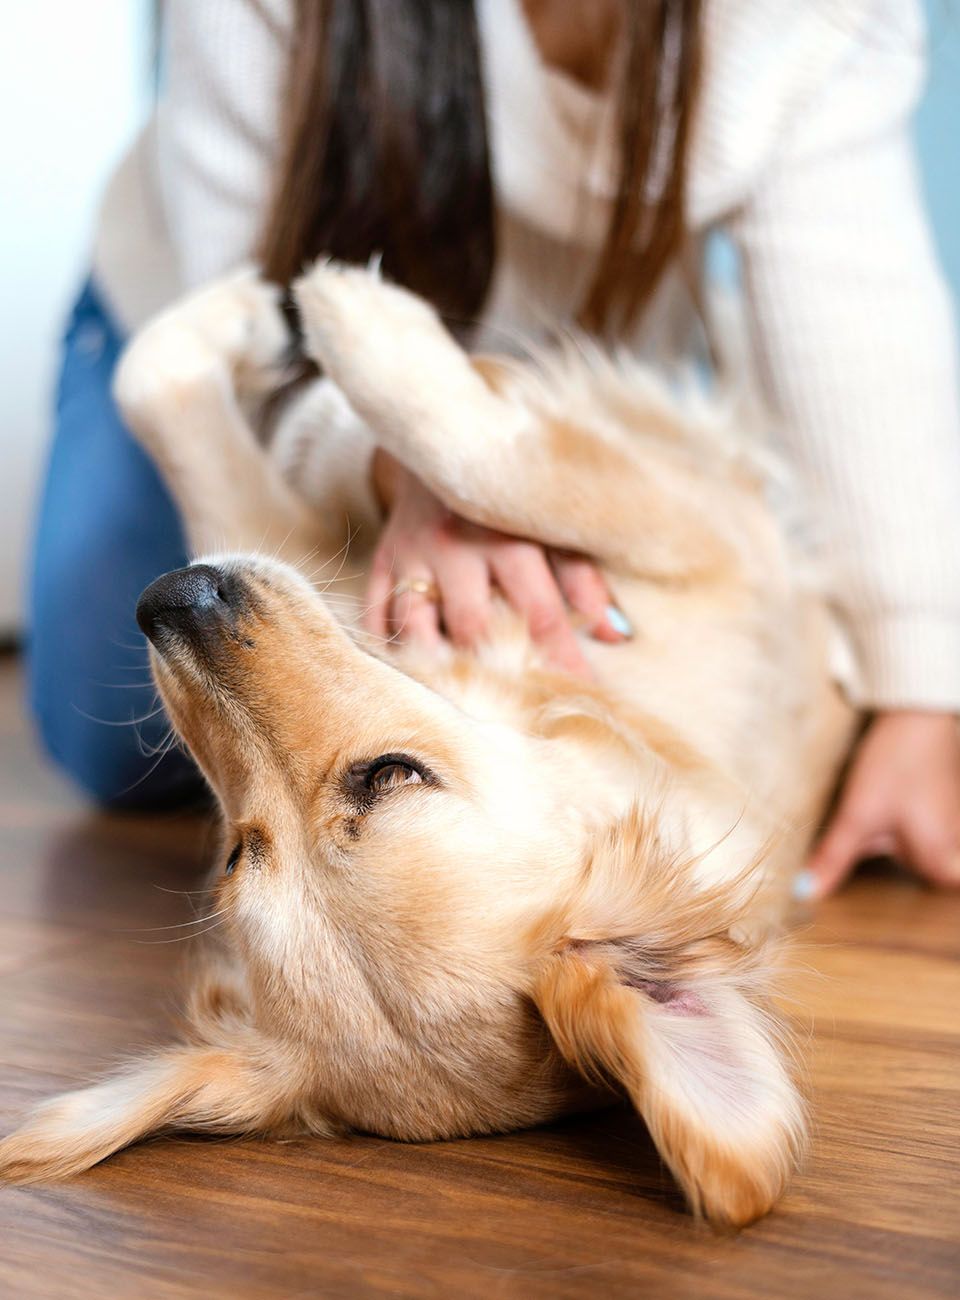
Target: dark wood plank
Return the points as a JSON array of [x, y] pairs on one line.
[[567, 1211]]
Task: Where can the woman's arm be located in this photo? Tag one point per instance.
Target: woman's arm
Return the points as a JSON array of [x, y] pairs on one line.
[[854, 335], [218, 127]]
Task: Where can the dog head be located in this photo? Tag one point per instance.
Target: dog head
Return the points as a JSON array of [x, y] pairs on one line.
[[428, 932]]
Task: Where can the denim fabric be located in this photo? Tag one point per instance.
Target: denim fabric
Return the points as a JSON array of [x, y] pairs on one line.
[[106, 528]]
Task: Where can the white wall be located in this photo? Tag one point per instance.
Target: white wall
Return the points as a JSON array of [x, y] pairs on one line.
[[936, 133], [74, 84]]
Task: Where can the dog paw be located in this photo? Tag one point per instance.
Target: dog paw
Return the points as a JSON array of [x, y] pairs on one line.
[[353, 309], [232, 329], [240, 319]]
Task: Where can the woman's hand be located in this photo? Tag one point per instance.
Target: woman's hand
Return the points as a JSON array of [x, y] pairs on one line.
[[901, 798], [454, 566]]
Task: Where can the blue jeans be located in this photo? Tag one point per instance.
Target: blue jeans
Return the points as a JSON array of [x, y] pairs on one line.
[[106, 528]]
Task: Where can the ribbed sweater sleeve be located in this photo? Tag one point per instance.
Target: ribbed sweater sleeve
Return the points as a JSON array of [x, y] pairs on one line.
[[852, 327], [218, 127]]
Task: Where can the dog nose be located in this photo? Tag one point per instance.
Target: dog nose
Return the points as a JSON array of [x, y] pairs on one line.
[[188, 601]]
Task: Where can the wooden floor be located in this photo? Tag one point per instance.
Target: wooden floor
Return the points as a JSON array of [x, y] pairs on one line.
[[579, 1209]]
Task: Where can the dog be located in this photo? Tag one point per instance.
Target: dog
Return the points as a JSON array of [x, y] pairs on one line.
[[464, 892]]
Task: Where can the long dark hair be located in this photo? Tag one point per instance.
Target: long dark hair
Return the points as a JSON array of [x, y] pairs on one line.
[[384, 150]]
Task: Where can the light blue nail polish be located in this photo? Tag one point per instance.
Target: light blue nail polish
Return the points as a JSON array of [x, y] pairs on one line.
[[804, 886], [619, 621]]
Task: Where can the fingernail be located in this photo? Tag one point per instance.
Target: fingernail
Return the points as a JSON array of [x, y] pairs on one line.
[[619, 621], [804, 886]]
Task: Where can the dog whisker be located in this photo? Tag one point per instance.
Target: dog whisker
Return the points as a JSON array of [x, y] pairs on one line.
[[181, 925], [120, 722], [183, 938], [184, 893]]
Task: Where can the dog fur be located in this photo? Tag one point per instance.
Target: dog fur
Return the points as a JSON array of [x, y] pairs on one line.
[[561, 889]]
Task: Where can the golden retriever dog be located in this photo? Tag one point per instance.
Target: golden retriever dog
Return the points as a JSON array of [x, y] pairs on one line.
[[465, 892]]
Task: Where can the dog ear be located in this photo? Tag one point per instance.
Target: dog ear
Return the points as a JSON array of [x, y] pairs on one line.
[[650, 993], [209, 1089]]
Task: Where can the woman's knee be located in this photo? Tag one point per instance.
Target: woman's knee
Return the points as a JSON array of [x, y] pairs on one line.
[[115, 766], [106, 528]]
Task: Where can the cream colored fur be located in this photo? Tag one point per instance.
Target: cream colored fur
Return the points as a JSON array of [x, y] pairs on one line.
[[582, 886]]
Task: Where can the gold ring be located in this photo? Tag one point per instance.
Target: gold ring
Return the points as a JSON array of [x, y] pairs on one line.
[[425, 587]]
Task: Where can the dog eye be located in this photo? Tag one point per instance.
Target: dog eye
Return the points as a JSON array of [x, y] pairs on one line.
[[365, 781], [391, 774], [233, 859]]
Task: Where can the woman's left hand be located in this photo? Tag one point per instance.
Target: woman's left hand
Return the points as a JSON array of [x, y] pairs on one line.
[[449, 568], [901, 799]]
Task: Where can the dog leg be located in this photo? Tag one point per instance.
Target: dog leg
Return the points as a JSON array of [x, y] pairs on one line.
[[489, 457], [179, 385]]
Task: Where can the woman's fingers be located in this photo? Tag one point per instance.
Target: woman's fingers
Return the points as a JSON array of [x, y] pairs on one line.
[[932, 840], [843, 845], [586, 591], [379, 589], [413, 612], [524, 576], [463, 578], [394, 608], [421, 541]]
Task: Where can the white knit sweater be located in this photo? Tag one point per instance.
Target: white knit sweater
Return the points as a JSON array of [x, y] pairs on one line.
[[801, 151]]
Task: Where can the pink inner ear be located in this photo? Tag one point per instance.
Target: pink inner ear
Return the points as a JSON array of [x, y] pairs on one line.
[[678, 1000]]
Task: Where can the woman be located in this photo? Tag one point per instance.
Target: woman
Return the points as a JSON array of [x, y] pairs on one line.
[[531, 161]]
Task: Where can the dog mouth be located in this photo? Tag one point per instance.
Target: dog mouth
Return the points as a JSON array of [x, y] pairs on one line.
[[198, 609]]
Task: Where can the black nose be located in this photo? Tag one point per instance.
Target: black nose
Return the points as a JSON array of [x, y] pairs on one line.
[[188, 601]]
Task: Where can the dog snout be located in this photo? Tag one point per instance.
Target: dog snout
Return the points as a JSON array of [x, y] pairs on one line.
[[192, 601]]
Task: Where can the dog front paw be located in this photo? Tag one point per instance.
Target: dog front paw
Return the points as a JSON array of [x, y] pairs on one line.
[[232, 330], [352, 310]]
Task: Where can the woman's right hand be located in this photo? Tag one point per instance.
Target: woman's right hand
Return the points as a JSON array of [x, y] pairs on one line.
[[901, 799], [434, 574]]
